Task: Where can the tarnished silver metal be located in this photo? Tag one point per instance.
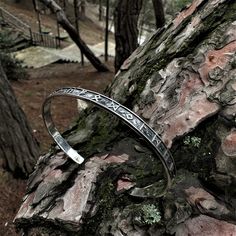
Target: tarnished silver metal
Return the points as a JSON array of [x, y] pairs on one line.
[[126, 115]]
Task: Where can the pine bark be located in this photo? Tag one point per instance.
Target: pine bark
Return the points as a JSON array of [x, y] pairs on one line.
[[18, 148], [182, 82], [71, 30], [126, 33]]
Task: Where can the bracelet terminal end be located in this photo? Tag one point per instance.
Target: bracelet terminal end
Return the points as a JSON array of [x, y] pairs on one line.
[[75, 156]]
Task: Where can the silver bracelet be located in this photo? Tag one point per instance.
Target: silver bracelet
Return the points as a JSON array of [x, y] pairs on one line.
[[126, 115]]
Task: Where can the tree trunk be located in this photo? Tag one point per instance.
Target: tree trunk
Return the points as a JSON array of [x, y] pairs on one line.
[[64, 22], [100, 10], [25, 3], [126, 33], [83, 9], [18, 148], [182, 82], [159, 13]]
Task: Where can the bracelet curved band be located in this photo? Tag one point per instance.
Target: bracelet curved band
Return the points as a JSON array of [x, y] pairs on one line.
[[129, 117]]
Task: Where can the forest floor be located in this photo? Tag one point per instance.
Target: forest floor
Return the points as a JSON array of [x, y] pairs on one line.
[[31, 93]]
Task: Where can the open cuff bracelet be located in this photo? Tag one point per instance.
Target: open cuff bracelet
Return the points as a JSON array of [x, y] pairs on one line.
[[123, 113]]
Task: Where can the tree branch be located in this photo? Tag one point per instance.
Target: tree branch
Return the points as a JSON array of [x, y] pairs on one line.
[[65, 23]]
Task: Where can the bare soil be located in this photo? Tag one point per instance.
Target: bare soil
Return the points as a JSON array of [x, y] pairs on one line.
[[32, 92]]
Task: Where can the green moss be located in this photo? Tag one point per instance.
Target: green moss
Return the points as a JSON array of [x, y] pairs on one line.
[[105, 199], [138, 169], [104, 132], [141, 171], [233, 63], [102, 129], [106, 196], [196, 151], [230, 11]]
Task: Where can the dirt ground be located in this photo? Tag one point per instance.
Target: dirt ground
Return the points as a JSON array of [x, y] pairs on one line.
[[91, 32], [31, 93]]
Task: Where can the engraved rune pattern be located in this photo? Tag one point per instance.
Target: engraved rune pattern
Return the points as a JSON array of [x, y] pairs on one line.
[[132, 119], [161, 148], [168, 160], [126, 114], [147, 132], [60, 141]]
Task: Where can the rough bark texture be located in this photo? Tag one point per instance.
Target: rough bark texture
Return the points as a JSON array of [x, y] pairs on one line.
[[71, 30], [126, 33], [18, 148], [159, 13], [182, 82]]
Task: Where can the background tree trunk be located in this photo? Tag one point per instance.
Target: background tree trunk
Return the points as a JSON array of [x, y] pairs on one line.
[[71, 30], [126, 33], [83, 9], [100, 10], [182, 82], [18, 148], [159, 13]]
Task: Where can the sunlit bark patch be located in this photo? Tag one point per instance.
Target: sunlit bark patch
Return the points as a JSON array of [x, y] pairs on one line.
[[229, 144], [187, 12]]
